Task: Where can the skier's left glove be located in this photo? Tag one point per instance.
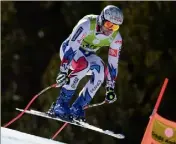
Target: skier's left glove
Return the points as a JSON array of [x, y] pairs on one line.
[[110, 95]]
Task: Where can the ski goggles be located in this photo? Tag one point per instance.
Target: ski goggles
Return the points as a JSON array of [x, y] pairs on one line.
[[110, 25]]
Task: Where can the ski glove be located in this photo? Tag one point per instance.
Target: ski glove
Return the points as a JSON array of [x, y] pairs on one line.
[[110, 95], [62, 79]]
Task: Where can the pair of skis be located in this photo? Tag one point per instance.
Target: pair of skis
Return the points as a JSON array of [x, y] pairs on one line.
[[75, 122]]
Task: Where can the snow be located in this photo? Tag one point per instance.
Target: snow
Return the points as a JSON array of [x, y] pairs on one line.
[[9, 136]]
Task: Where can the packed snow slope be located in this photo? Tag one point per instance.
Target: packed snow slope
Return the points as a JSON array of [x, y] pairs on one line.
[[9, 136]]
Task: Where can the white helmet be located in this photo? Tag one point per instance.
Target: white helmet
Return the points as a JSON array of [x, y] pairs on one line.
[[112, 14]]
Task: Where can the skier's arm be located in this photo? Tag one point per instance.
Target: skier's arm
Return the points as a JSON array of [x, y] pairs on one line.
[[113, 58], [75, 39]]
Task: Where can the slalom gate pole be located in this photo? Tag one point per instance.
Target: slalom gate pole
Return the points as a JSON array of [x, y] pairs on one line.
[[147, 133], [28, 105], [160, 95]]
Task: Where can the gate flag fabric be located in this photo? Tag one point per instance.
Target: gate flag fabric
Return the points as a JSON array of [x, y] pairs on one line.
[[160, 130]]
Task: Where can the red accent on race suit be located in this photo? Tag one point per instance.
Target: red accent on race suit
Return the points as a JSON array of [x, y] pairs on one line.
[[79, 65], [64, 61], [113, 52]]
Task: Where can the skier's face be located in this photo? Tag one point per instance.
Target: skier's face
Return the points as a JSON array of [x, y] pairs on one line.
[[106, 31], [109, 27]]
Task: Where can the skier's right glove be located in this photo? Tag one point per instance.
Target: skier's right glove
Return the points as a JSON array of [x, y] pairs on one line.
[[110, 95], [62, 79]]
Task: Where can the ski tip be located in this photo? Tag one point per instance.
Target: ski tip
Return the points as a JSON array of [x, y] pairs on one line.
[[18, 109], [121, 136]]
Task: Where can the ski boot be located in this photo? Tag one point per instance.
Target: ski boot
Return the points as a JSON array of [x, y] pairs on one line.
[[61, 108], [78, 113], [77, 110], [62, 111]]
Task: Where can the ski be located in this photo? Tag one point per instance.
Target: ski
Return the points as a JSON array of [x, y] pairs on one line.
[[77, 123]]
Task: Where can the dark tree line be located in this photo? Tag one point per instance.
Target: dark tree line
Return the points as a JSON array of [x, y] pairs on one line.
[[31, 35]]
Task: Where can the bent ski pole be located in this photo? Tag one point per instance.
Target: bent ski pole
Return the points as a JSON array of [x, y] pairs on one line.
[[94, 105], [32, 100]]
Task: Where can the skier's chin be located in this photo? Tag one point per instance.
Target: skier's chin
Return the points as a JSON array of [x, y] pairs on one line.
[[106, 32]]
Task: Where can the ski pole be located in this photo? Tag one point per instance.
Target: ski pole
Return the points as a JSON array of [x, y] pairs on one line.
[[86, 107], [94, 105], [37, 95]]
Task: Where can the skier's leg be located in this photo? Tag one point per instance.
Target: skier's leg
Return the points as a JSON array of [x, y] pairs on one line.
[[63, 48], [80, 66], [98, 74]]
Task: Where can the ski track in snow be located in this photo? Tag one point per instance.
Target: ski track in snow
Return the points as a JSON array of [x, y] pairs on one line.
[[10, 136]]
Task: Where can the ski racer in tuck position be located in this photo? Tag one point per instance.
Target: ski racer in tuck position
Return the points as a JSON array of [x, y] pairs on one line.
[[78, 54]]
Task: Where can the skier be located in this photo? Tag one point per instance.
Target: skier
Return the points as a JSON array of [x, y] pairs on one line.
[[78, 54]]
